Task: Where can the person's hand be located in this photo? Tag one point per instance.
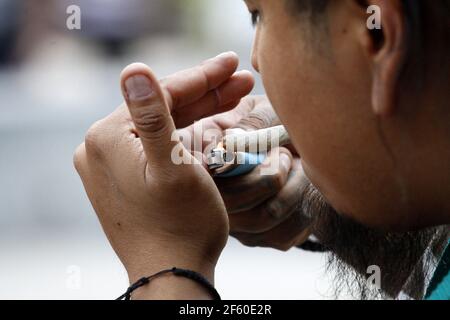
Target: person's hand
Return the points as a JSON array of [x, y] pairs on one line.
[[265, 210], [156, 214]]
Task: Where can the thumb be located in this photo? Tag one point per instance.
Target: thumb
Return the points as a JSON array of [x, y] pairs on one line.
[[150, 113]]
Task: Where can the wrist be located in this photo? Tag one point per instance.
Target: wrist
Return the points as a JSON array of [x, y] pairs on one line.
[[145, 266], [146, 262], [180, 284]]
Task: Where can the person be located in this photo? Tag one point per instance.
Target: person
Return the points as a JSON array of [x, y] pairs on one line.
[[367, 174]]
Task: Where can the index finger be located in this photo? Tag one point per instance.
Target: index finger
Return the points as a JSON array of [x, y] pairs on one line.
[[187, 86]]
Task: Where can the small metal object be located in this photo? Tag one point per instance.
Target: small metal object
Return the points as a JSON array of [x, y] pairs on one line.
[[223, 163], [219, 157], [216, 159], [241, 152]]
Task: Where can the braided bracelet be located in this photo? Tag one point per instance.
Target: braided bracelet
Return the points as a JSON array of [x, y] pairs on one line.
[[195, 276]]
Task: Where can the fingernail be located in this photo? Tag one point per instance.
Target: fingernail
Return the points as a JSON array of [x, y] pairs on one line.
[[285, 161], [138, 88]]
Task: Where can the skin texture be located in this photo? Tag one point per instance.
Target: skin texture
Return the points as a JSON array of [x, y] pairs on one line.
[[126, 168], [263, 209], [339, 101], [374, 154]]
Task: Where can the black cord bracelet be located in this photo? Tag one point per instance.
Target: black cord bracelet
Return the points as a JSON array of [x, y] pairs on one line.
[[195, 276]]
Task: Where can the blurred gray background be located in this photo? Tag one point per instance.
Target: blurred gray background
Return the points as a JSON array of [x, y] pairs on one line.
[[54, 83]]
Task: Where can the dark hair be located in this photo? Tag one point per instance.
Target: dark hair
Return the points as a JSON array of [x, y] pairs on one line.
[[428, 42]]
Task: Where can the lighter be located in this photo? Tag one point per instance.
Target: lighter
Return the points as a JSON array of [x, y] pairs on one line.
[[241, 151]]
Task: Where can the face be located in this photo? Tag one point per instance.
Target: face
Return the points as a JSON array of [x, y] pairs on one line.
[[318, 76]]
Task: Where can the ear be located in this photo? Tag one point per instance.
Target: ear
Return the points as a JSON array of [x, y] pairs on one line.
[[387, 49]]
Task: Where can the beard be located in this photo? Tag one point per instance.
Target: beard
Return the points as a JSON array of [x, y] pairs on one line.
[[406, 260]]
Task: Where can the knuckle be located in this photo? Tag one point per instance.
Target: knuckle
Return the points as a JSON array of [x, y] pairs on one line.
[[259, 118], [273, 210], [93, 140], [281, 168], [275, 181], [282, 208], [279, 180], [253, 121], [151, 123], [78, 158]]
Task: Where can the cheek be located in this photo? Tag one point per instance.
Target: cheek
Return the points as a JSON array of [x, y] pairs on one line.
[[275, 61], [325, 107]]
